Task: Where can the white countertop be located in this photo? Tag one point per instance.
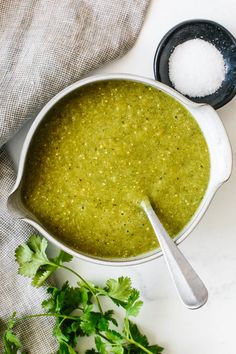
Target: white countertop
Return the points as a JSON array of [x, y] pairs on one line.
[[211, 248]]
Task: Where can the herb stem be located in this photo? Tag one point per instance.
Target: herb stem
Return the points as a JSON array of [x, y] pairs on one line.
[[75, 273], [48, 315], [131, 341], [104, 337]]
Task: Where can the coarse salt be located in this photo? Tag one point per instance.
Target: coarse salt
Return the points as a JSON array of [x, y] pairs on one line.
[[196, 68]]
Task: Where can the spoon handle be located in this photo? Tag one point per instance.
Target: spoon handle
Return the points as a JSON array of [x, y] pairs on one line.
[[190, 287]]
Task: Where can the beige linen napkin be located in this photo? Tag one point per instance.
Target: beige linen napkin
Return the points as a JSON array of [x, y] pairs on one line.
[[46, 45]]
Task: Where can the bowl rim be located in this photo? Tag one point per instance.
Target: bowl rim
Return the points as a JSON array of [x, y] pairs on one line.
[[146, 257], [161, 46]]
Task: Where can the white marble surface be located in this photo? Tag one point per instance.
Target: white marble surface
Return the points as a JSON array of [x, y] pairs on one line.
[[211, 248]]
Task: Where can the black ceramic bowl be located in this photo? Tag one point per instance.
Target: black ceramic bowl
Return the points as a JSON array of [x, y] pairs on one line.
[[209, 31]]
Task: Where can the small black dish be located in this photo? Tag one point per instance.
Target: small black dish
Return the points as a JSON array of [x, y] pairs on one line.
[[209, 31]]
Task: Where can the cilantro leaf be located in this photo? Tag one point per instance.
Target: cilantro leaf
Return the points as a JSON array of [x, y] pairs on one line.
[[122, 294], [57, 332], [100, 345], [64, 348], [117, 349], [85, 296], [133, 305], [91, 321], [113, 344], [140, 338], [66, 331], [31, 256], [64, 300], [119, 289], [42, 275], [114, 336], [109, 316], [155, 349], [96, 322], [11, 342], [63, 257], [33, 261], [137, 335]]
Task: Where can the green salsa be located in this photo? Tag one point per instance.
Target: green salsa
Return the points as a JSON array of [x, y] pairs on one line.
[[99, 152]]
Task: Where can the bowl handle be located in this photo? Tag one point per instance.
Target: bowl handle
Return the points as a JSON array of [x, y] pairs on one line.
[[217, 140]]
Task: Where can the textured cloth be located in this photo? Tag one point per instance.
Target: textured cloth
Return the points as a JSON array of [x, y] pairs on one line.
[[16, 292], [46, 45]]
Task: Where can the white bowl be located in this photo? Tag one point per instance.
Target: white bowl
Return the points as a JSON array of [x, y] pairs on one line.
[[212, 129]]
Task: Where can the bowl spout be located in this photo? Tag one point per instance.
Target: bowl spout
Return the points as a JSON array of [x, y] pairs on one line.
[[15, 206]]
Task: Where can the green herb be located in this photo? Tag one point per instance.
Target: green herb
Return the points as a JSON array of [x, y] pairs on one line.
[[78, 310], [10, 340]]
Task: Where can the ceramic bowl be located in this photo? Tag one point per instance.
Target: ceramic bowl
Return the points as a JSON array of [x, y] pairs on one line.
[[211, 32], [207, 119]]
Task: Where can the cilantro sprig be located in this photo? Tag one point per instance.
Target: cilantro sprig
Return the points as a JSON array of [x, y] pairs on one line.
[[78, 310]]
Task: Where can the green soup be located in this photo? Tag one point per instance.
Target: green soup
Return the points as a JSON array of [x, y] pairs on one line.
[[99, 152]]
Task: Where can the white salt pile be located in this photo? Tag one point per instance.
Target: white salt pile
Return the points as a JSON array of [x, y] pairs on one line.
[[196, 68]]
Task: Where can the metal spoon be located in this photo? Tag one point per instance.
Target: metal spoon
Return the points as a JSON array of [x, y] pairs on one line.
[[189, 286]]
